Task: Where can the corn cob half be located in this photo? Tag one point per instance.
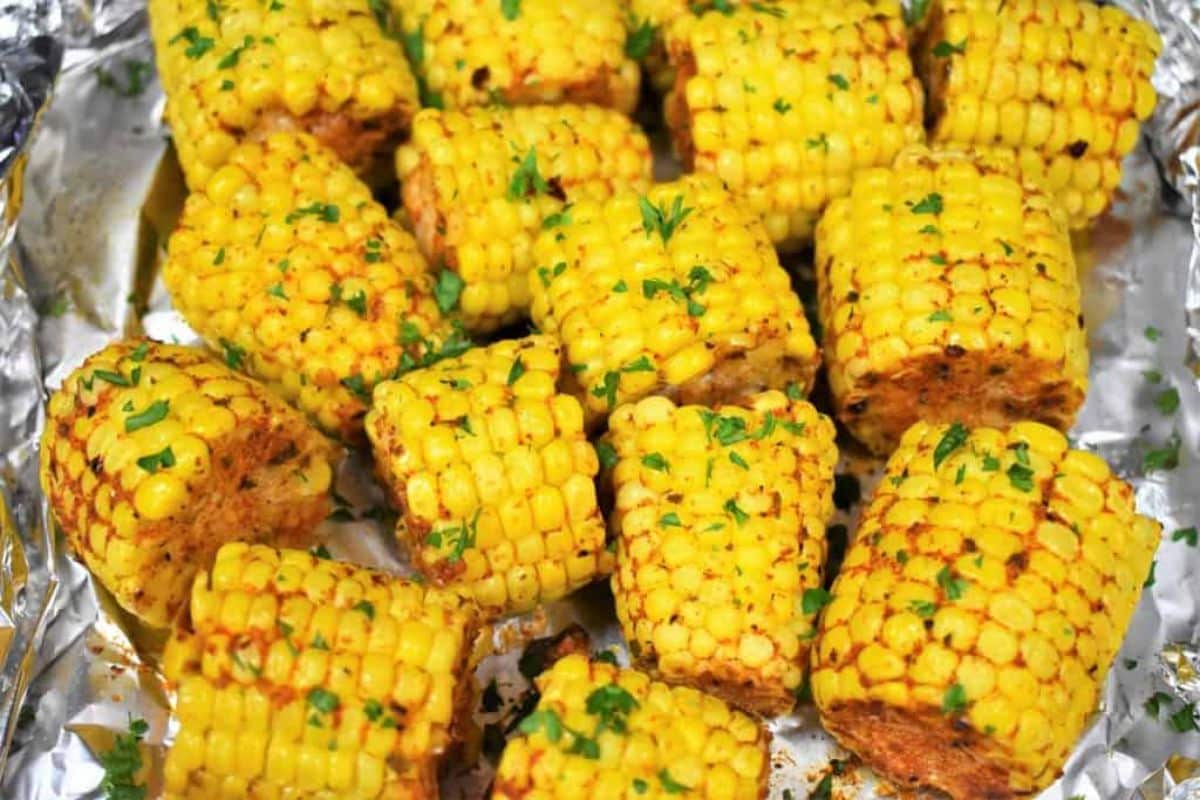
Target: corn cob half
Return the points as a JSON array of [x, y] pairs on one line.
[[947, 290], [479, 185], [1062, 83], [979, 608], [720, 519], [240, 69], [305, 678], [599, 731], [285, 264], [785, 101], [493, 473], [154, 455], [519, 52], [676, 292]]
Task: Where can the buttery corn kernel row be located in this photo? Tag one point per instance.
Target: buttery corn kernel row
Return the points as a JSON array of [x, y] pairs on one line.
[[519, 52], [979, 608], [608, 732], [239, 69], [284, 262], [947, 291], [677, 292], [785, 101], [478, 186], [306, 678], [154, 455], [493, 473], [1062, 83], [720, 518]]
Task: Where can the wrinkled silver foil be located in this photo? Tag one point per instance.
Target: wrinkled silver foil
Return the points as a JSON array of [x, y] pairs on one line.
[[89, 193]]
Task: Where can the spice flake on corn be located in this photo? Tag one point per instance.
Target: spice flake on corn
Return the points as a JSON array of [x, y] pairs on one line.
[[676, 292], [720, 519], [608, 732], [947, 291], [493, 474], [306, 678], [480, 184], [979, 608], [287, 266], [154, 455]]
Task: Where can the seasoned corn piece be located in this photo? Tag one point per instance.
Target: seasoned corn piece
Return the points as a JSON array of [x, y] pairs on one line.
[[979, 608], [1063, 84], [519, 52], [285, 264], [786, 101], [155, 455], [947, 291], [599, 731], [310, 679], [720, 519], [240, 69], [480, 184], [674, 292], [493, 473]]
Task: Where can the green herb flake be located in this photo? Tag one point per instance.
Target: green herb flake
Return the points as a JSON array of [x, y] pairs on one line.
[[670, 520], [953, 586], [448, 290], [1152, 333], [367, 609], [1155, 703], [155, 412], [781, 106], [517, 370], [813, 600], [741, 517], [839, 81], [197, 45], [322, 700], [670, 785], [929, 204], [526, 180], [122, 764], [941, 315], [545, 720], [1163, 458], [1021, 477], [944, 49], [640, 39], [154, 462], [656, 462], [1167, 401], [954, 437], [915, 12], [1186, 535], [738, 460], [607, 454], [510, 9], [326, 212], [660, 219], [923, 608], [954, 701]]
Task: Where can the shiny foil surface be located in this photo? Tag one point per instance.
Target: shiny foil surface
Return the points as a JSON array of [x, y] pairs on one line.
[[89, 194]]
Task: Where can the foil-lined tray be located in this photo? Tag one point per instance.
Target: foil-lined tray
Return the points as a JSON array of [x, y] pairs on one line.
[[89, 192]]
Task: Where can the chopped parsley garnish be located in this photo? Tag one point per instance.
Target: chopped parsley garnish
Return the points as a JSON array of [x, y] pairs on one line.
[[781, 106], [1155, 702], [1167, 401], [322, 700], [154, 462], [458, 539], [660, 219], [611, 704], [608, 388], [954, 701], [839, 81], [547, 275], [954, 437], [136, 73], [941, 315], [607, 455], [326, 212], [1021, 477], [916, 11], [953, 586], [366, 607], [736, 512], [821, 141], [1150, 578], [923, 608], [558, 218], [1187, 535], [1008, 249], [1152, 333], [319, 643], [357, 303], [230, 59], [527, 181], [738, 460], [155, 412], [545, 720], [944, 49], [1163, 458], [197, 45], [357, 386], [813, 600], [1184, 720], [510, 9], [122, 764], [639, 40], [929, 204], [656, 462], [670, 785], [670, 520], [115, 378], [448, 290], [517, 370]]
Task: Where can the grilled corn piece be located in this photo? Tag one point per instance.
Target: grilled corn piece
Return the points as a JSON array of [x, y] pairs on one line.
[[493, 473], [785, 101], [607, 732], [519, 52], [947, 290], [676, 292], [305, 678], [979, 608], [720, 519], [286, 264], [479, 184], [239, 69], [154, 455], [1062, 83]]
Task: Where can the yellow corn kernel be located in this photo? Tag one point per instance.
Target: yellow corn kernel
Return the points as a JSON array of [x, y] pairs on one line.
[[947, 291], [993, 670]]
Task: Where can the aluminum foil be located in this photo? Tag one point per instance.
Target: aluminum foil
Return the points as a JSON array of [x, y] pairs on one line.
[[89, 193]]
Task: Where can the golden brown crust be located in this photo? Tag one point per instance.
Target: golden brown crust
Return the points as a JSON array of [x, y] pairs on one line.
[[365, 145]]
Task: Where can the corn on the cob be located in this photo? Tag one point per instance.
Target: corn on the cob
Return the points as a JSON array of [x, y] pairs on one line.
[[309, 679], [519, 52], [240, 69], [785, 101], [675, 292], [479, 184], [493, 473], [286, 264], [1062, 83], [154, 455], [720, 520], [979, 608], [599, 731], [948, 291]]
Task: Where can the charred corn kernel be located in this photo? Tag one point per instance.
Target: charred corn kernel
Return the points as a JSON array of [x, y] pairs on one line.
[[493, 473], [240, 69], [343, 721], [676, 291], [519, 52], [720, 520], [989, 660], [480, 184], [1062, 84], [146, 493], [947, 290], [285, 264], [785, 101], [608, 732]]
